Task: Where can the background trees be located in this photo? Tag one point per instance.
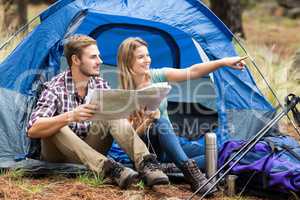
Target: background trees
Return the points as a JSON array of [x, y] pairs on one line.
[[230, 12], [14, 15]]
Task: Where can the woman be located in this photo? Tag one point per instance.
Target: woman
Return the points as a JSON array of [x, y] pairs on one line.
[[155, 127]]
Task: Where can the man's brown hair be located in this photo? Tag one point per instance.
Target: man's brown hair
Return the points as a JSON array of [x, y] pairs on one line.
[[75, 44]]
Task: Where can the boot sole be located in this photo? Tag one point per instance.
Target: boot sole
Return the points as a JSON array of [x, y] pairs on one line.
[[158, 181], [129, 180]]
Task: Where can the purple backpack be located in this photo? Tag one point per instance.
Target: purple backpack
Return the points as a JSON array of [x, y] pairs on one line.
[[276, 160]]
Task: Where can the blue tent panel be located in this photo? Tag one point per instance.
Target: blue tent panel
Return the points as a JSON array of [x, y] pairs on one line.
[[168, 46]]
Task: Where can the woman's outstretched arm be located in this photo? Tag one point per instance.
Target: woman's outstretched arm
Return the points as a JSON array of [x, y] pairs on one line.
[[198, 70]]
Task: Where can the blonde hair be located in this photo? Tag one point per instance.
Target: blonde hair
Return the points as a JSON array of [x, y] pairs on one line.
[[75, 44], [126, 59], [125, 62]]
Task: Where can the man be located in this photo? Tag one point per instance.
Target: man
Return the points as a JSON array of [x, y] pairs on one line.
[[61, 120]]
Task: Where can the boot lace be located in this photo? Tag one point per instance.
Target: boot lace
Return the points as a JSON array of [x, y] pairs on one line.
[[115, 169], [151, 164], [193, 170]]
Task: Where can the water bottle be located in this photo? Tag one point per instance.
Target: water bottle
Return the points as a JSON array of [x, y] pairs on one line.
[[211, 154]]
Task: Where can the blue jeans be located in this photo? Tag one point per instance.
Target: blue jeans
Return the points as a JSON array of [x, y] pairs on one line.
[[196, 152], [162, 140]]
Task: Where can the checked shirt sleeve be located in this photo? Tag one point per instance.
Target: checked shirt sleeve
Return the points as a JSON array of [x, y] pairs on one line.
[[46, 107]]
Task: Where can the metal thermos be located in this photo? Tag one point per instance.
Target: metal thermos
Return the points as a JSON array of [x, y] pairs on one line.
[[211, 154]]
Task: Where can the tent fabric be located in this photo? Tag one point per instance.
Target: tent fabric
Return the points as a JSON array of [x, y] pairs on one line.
[[207, 30], [174, 29]]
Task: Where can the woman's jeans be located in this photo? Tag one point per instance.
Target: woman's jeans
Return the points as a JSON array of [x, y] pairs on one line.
[[161, 139]]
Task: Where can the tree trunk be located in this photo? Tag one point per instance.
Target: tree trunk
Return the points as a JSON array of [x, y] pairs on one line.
[[230, 12], [42, 1], [22, 9], [289, 3], [291, 8], [15, 15]]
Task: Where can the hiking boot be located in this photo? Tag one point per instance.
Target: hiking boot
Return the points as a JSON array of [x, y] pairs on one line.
[[195, 177], [151, 173], [123, 176]]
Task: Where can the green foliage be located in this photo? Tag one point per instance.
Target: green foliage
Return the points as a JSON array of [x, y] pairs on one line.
[[2, 172], [141, 185], [32, 189], [91, 178], [18, 178], [16, 174]]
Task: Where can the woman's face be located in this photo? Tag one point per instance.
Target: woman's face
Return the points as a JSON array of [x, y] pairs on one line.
[[141, 61]]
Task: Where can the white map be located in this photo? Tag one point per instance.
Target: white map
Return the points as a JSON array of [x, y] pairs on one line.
[[119, 103]]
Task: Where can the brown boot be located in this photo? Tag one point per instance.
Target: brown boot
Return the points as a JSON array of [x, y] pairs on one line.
[[123, 176], [151, 173], [195, 177]]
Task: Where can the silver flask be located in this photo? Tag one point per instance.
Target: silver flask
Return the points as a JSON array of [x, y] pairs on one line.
[[211, 154]]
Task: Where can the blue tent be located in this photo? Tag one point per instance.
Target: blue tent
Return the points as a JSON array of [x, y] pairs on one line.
[[179, 32]]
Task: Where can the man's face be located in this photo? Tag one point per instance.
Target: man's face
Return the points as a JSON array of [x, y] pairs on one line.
[[90, 61]]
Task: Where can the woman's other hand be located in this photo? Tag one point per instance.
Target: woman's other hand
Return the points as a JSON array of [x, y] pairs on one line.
[[154, 114]]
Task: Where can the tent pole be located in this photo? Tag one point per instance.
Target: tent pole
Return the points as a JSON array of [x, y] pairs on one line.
[[246, 148], [17, 32], [265, 80]]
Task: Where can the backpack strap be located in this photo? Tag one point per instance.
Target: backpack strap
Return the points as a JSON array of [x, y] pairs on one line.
[[291, 151], [276, 147]]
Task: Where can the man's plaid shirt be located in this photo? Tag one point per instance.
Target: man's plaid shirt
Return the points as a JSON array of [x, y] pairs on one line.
[[60, 96]]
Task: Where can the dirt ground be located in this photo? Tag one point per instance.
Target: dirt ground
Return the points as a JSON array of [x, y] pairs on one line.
[[63, 188]]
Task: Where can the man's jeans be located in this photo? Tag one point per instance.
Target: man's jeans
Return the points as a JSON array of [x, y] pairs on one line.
[[66, 146]]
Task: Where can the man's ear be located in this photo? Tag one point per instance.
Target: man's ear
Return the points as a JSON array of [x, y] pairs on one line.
[[75, 59]]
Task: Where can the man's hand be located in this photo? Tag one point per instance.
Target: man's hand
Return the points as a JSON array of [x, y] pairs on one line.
[[82, 113]]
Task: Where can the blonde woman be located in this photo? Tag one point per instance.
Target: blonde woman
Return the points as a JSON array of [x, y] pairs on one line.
[[135, 73]]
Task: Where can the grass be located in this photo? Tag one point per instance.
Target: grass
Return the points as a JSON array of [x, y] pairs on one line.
[[272, 41], [16, 174], [18, 178], [279, 73], [141, 185], [275, 69], [31, 189], [264, 27], [91, 179]]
